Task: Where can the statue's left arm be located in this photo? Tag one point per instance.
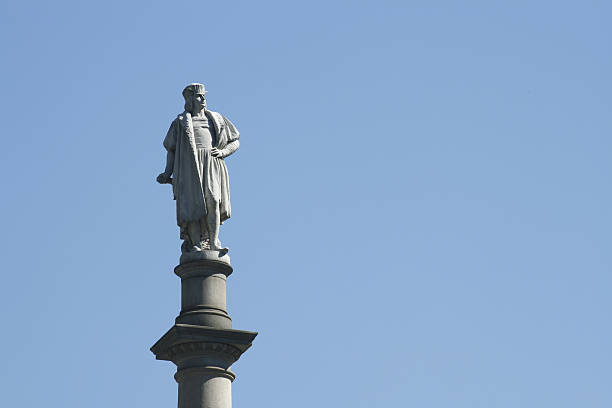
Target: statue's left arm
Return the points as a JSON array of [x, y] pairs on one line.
[[232, 138], [230, 148]]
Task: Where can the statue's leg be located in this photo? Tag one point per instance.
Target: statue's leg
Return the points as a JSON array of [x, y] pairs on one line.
[[193, 229], [213, 218], [205, 236]]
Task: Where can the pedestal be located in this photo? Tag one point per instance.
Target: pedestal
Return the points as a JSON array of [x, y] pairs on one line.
[[202, 343]]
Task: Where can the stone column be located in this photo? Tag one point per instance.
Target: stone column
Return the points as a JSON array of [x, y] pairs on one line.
[[202, 343], [204, 387], [203, 293]]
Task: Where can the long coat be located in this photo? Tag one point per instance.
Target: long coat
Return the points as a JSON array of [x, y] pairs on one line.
[[188, 184]]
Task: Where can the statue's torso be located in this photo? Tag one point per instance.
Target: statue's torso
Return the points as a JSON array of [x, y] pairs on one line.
[[202, 134]]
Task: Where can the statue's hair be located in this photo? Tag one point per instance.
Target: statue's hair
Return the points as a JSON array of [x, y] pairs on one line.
[[188, 103]]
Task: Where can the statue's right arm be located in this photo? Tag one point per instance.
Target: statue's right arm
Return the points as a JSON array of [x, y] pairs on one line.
[[170, 145], [169, 163], [164, 178]]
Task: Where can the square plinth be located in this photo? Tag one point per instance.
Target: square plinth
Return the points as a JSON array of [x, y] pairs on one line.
[[187, 334]]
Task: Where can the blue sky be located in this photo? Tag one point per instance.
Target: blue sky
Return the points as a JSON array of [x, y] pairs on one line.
[[420, 205]]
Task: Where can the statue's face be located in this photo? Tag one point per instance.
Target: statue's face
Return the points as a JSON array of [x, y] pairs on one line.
[[199, 101]]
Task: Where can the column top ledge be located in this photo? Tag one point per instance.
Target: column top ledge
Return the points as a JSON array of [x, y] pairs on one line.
[[188, 333], [206, 255], [204, 266]]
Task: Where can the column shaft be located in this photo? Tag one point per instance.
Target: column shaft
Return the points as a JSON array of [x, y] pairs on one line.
[[204, 387]]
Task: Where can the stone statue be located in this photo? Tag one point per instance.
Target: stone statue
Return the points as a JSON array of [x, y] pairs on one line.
[[197, 142]]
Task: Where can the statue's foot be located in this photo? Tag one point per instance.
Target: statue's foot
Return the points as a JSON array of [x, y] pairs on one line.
[[218, 247], [187, 246]]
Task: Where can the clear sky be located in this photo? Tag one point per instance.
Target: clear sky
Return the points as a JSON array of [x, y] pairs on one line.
[[421, 205]]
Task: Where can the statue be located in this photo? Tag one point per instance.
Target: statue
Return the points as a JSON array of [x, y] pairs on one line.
[[197, 142]]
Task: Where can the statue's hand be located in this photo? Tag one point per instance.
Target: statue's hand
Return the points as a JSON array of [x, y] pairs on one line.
[[164, 179], [216, 153]]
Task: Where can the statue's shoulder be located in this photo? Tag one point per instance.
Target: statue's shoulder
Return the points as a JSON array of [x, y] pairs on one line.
[[179, 120], [217, 118], [216, 115]]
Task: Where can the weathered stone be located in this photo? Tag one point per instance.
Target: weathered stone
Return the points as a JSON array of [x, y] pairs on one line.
[[202, 343], [198, 142], [205, 254], [203, 293]]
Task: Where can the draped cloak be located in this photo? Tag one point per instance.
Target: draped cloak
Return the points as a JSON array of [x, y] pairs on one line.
[[191, 174]]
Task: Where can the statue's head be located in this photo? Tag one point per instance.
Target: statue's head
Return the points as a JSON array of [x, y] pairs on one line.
[[195, 97]]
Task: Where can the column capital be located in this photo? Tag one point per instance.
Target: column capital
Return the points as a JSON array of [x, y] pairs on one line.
[[203, 267], [205, 255], [185, 341]]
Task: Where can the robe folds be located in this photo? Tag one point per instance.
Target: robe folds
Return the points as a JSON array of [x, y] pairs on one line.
[[198, 176]]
